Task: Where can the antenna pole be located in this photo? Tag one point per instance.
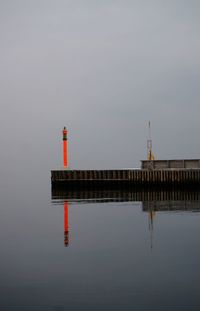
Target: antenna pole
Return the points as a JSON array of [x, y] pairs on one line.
[[150, 155]]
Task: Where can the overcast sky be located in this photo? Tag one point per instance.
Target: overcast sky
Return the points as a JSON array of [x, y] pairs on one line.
[[102, 69]]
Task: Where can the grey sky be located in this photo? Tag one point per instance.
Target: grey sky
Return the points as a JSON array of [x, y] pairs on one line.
[[103, 69]]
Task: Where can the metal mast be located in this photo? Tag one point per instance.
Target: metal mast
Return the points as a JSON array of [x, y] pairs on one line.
[[150, 155]]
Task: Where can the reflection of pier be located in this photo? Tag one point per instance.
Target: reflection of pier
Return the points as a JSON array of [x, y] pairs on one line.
[[160, 198], [163, 206], [152, 202]]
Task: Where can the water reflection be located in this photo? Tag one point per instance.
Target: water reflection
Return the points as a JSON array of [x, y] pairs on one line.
[[151, 216], [151, 203], [158, 197], [66, 224]]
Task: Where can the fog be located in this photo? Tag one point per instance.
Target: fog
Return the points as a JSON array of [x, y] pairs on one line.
[[102, 69]]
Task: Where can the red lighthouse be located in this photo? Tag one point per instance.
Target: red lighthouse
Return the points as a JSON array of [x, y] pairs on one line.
[[65, 155]]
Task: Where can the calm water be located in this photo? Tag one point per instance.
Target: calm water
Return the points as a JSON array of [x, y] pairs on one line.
[[98, 251]]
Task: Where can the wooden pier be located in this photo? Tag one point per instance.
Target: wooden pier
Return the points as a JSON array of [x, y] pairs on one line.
[[125, 178]]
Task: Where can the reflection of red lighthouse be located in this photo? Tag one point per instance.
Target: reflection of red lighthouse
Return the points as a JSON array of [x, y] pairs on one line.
[[65, 156], [66, 225]]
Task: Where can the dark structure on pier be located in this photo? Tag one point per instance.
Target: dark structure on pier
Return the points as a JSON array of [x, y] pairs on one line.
[[125, 178], [171, 164]]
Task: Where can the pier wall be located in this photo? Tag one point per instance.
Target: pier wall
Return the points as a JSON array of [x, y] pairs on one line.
[[126, 177]]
